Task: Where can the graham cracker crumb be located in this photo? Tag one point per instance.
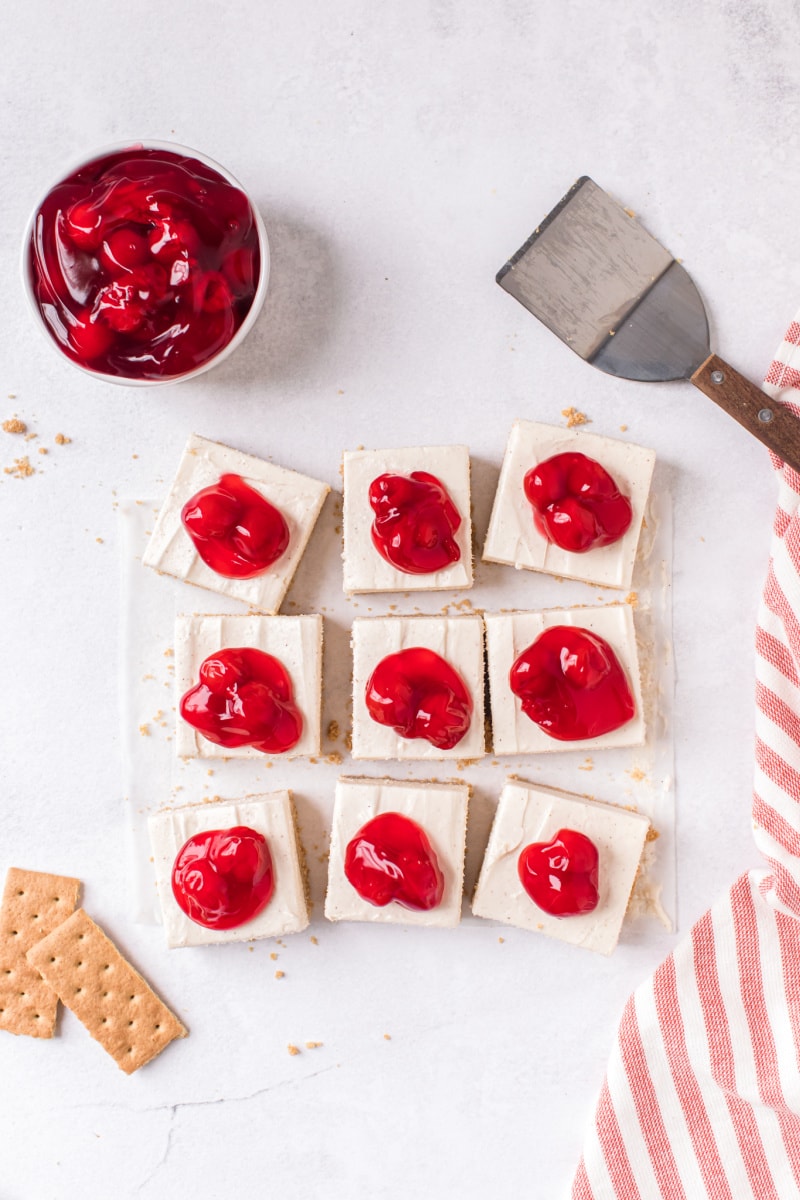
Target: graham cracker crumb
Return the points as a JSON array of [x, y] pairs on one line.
[[43, 450], [21, 469], [62, 439], [501, 940], [637, 774], [574, 417], [588, 765], [314, 941], [540, 926], [334, 759], [293, 1049], [623, 428], [251, 948], [273, 956], [348, 740], [629, 212], [279, 974], [632, 598], [313, 1045], [387, 1037], [333, 731], [169, 653], [14, 425], [144, 730], [99, 541], [652, 834]]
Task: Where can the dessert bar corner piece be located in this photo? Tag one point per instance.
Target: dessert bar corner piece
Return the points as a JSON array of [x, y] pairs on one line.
[[512, 537], [34, 904], [296, 642], [531, 815], [298, 498], [456, 640], [439, 809], [365, 568], [273, 816], [105, 993], [509, 634]]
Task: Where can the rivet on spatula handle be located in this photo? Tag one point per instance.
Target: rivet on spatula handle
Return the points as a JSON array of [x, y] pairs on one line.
[[772, 423]]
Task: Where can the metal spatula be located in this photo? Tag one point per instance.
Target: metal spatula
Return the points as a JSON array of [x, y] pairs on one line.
[[617, 298]]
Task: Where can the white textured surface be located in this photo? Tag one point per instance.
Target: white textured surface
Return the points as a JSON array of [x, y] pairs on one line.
[[458, 640], [441, 811], [529, 814], [398, 159], [270, 815], [297, 498], [513, 537], [365, 570]]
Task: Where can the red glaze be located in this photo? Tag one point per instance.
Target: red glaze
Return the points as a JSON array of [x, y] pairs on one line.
[[571, 684], [244, 698], [415, 522], [223, 877], [144, 263], [420, 695], [390, 858], [235, 530], [576, 503], [561, 876]]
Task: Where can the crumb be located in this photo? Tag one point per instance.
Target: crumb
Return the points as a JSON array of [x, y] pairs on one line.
[[637, 774], [43, 450], [629, 212], [279, 974], [251, 948], [100, 540], [293, 1049], [21, 469], [652, 834], [340, 391], [632, 598], [313, 1045], [574, 417], [314, 941], [14, 425], [29, 437], [169, 653], [588, 765], [273, 956], [313, 760], [334, 759], [62, 439], [501, 940], [387, 1037], [144, 730], [333, 731], [539, 926], [348, 740], [623, 428], [134, 456], [209, 771]]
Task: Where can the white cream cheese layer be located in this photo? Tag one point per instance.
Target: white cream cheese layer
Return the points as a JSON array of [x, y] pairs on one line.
[[271, 815], [295, 641], [512, 537], [365, 570], [439, 808], [297, 497], [458, 640], [527, 814], [508, 634]]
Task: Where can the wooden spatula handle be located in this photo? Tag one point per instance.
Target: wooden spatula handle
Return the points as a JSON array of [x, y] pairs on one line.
[[772, 423]]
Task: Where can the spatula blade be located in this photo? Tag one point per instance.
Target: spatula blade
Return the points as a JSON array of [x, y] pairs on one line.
[[609, 290]]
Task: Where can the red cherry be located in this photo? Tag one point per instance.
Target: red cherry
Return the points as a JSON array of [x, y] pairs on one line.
[[235, 530], [244, 698], [172, 237], [83, 224], [415, 522], [123, 250], [88, 337], [420, 695], [571, 684], [576, 503], [561, 876], [223, 877], [391, 858]]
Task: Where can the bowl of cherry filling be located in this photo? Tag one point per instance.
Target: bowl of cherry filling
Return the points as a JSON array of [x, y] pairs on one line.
[[145, 263]]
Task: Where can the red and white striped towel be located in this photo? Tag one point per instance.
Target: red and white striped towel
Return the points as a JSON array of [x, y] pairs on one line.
[[702, 1093]]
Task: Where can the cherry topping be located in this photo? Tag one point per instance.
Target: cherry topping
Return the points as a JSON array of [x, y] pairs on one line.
[[571, 684], [391, 858], [223, 877], [244, 698], [420, 695], [576, 503], [144, 263], [561, 876], [415, 522], [235, 530]]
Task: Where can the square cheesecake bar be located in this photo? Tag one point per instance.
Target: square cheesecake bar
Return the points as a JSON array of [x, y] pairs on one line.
[[509, 634], [272, 815], [296, 642], [457, 640], [365, 569], [512, 536], [297, 498], [531, 815], [439, 809]]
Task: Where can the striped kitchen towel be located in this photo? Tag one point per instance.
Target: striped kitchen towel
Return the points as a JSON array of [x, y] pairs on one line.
[[702, 1093]]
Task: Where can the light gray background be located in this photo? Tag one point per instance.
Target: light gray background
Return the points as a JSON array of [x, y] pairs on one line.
[[399, 153]]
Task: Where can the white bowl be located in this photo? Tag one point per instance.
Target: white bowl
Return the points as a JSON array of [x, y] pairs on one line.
[[258, 298]]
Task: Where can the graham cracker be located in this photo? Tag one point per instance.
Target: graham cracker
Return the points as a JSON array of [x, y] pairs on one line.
[[104, 992], [33, 905]]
